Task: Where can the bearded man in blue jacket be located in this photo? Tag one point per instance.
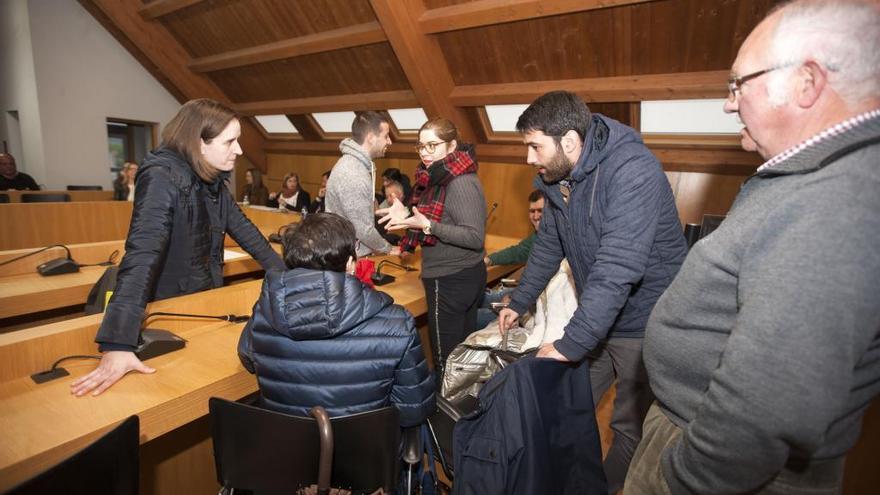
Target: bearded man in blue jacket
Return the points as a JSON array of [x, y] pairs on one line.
[[610, 211]]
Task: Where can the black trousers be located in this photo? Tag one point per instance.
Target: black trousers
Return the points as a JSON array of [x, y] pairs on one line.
[[452, 309]]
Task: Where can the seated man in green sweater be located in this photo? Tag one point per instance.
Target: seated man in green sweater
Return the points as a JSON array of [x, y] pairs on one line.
[[513, 255]]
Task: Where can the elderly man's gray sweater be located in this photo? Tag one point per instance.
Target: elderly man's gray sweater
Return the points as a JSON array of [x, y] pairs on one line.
[[765, 349]]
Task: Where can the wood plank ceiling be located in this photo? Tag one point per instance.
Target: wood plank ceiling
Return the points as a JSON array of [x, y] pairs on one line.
[[449, 57]]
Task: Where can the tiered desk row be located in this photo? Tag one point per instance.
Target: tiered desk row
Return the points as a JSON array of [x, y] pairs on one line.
[[43, 424]]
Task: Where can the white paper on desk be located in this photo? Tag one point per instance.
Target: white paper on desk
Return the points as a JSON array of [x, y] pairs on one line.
[[264, 208], [233, 255]]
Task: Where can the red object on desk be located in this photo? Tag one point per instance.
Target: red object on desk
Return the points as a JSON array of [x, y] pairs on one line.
[[363, 270]]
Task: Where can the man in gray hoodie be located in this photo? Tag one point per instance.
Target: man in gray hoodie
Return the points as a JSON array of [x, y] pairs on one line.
[[352, 182], [764, 353]]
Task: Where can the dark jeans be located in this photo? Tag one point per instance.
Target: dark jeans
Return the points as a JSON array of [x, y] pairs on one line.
[[452, 309], [620, 360], [485, 315]]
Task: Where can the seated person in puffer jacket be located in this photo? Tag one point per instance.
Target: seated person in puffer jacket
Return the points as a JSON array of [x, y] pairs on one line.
[[319, 336]]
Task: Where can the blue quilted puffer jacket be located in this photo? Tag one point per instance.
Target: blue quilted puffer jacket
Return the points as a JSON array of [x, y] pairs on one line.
[[324, 338]]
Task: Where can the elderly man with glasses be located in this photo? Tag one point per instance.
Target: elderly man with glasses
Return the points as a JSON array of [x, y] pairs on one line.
[[764, 353]]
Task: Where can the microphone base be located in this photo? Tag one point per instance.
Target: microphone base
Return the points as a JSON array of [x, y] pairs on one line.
[[154, 343], [58, 266], [382, 279]]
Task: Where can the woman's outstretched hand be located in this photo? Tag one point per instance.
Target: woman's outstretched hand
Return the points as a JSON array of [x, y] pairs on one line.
[[113, 366]]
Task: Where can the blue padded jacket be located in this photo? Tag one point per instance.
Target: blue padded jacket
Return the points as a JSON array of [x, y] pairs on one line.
[[620, 233], [324, 338]]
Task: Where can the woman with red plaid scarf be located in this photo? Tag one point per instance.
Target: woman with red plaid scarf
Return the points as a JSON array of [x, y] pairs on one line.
[[449, 221]]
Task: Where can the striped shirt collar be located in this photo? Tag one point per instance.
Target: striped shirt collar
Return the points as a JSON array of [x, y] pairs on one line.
[[832, 131]]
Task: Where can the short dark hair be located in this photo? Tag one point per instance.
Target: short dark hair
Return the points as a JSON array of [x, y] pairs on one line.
[[556, 113], [392, 174], [365, 123], [536, 195], [322, 241]]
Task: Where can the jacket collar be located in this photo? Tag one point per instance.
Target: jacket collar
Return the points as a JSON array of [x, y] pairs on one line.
[[826, 147]]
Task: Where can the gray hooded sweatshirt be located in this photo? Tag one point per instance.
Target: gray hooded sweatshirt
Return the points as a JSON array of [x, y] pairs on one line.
[[350, 194]]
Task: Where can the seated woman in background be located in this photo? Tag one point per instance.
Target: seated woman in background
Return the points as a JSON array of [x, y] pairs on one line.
[[319, 336], [449, 222], [123, 186], [292, 196], [181, 215], [255, 192]]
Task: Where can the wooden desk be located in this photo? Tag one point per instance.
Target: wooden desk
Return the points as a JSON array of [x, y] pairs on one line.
[[43, 424], [34, 225], [15, 196], [23, 291]]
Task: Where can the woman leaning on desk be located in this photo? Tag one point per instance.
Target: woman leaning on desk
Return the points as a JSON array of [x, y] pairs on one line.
[[182, 211], [449, 222]]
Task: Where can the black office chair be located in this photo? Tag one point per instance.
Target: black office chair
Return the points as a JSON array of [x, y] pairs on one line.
[[270, 452], [107, 466], [4, 198], [693, 232], [45, 198], [85, 188]]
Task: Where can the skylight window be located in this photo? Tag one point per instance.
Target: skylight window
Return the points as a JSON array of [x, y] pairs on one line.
[[276, 124], [688, 117], [408, 119], [335, 121], [503, 118]]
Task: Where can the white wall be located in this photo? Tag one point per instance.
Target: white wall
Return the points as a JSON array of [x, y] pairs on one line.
[[83, 76], [18, 90], [688, 117]]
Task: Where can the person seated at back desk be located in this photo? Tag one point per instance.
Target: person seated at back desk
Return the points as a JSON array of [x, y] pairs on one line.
[[513, 255], [319, 336], [11, 178]]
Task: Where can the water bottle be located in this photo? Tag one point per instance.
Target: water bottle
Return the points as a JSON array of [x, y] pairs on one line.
[[304, 212]]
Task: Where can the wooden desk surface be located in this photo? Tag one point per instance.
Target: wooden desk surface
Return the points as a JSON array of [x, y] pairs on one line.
[[23, 291], [15, 196], [43, 424]]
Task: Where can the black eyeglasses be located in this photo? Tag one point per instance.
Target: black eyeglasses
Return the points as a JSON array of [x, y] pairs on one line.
[[428, 147], [734, 84]]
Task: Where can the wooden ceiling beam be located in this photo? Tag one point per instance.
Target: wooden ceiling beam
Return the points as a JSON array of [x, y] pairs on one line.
[[336, 39], [684, 85], [489, 12], [422, 61], [158, 8], [673, 158], [158, 51], [381, 100]]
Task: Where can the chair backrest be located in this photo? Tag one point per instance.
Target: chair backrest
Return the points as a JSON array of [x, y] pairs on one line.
[[266, 451], [710, 223], [45, 198], [85, 188], [4, 198], [107, 466]]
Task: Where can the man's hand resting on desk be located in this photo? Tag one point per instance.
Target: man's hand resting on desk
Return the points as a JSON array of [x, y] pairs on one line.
[[114, 365]]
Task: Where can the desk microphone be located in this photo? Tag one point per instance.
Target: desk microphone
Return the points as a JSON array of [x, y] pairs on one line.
[[380, 278], [492, 210], [55, 266], [151, 343], [154, 342]]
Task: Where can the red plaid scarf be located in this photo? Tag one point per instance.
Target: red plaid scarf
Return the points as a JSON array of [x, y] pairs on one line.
[[429, 191]]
